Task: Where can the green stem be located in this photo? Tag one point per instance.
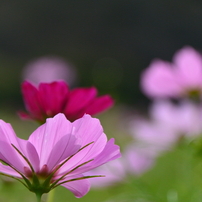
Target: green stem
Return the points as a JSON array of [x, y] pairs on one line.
[[38, 196], [50, 196]]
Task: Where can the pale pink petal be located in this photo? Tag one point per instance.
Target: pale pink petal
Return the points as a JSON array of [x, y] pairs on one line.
[[9, 171], [7, 133], [33, 156], [29, 151], [110, 152], [89, 130], [10, 156], [47, 135], [79, 187], [7, 138], [158, 80], [36, 138], [64, 148], [188, 67], [8, 153]]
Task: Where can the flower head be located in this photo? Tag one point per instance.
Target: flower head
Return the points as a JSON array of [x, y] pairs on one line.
[[49, 99], [183, 77], [57, 153]]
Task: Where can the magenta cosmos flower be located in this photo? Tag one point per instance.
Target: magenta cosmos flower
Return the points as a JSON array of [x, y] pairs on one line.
[[49, 99], [181, 78], [57, 153]]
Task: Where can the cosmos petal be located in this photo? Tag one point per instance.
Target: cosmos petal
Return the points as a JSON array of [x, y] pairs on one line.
[[158, 80], [79, 98], [65, 147], [110, 152], [52, 105], [47, 135], [33, 156], [9, 155], [188, 66], [89, 131], [79, 187], [31, 100], [99, 104], [9, 171], [7, 133]]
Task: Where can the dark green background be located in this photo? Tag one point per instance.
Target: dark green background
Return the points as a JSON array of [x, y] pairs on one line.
[[129, 32]]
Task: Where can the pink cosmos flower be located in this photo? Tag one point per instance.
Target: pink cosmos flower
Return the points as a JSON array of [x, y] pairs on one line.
[[180, 78], [57, 153], [49, 99]]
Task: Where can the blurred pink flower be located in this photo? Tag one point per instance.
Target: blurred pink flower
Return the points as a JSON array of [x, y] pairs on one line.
[[154, 135], [184, 118], [57, 153], [114, 172], [183, 77], [167, 124], [48, 99], [151, 139], [138, 159], [49, 69]]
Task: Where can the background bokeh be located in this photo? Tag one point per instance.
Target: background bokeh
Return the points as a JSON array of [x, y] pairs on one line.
[[109, 42]]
